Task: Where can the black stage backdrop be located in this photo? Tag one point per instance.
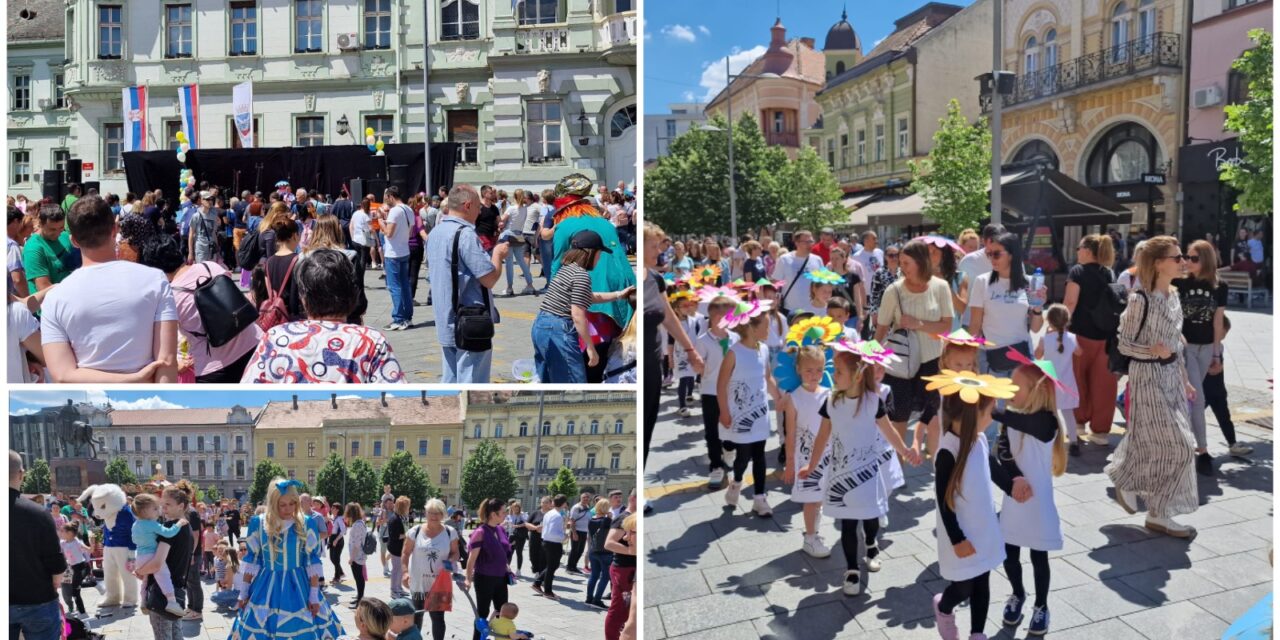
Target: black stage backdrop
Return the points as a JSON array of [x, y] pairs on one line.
[[326, 168]]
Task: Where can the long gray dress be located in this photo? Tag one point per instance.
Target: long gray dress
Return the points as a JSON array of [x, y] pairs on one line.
[[1155, 458]]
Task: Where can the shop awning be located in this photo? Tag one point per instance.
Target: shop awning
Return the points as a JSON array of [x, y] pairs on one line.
[[1066, 201], [894, 211]]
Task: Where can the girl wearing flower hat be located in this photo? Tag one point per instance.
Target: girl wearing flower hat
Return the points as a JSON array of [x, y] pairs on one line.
[[743, 388], [685, 304], [711, 346], [970, 544], [803, 422]]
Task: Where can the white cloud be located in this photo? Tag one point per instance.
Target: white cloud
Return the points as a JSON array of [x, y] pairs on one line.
[[24, 412], [679, 32], [877, 42], [702, 28], [154, 402], [713, 74], [55, 398], [687, 96]]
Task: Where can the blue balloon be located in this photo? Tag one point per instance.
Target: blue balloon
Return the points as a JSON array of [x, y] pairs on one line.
[[372, 147]]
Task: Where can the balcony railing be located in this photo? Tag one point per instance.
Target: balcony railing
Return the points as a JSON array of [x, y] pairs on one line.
[[1156, 50], [535, 40], [782, 139], [618, 30]]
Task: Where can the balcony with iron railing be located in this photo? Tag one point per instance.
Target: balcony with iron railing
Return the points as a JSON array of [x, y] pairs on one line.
[[784, 139], [1159, 50]]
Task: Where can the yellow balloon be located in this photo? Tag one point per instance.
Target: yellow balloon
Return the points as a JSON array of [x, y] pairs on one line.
[[368, 131], [181, 136], [379, 145]]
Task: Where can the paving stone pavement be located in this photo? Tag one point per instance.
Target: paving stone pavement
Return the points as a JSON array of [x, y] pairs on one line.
[[568, 619], [713, 571]]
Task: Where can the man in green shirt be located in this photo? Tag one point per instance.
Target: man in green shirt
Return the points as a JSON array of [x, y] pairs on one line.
[[73, 194], [48, 255]]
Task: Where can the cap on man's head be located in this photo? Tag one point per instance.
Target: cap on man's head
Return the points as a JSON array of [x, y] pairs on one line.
[[829, 231], [588, 239], [401, 607]]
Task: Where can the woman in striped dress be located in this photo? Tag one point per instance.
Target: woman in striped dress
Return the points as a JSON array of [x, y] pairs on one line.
[[1155, 460]]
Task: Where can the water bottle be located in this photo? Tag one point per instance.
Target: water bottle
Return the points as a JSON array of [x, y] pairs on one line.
[[1037, 281]]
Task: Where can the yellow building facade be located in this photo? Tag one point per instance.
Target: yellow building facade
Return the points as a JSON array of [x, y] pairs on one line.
[[1098, 92], [591, 432], [300, 435]]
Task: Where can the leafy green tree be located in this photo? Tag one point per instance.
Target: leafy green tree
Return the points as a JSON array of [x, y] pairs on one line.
[[212, 494], [811, 194], [332, 477], [263, 474], [1253, 121], [487, 473], [37, 478], [688, 190], [118, 472], [564, 484], [956, 177], [408, 479], [362, 485]]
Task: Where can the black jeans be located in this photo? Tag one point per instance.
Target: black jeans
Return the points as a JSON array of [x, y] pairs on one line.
[[537, 561], [576, 547], [233, 531], [335, 555], [357, 573], [652, 396], [491, 591], [551, 553], [416, 255], [195, 591], [437, 617], [517, 547], [684, 389], [1215, 395], [71, 590], [711, 431]]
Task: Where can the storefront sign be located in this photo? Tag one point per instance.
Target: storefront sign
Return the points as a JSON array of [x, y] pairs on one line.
[[1203, 162]]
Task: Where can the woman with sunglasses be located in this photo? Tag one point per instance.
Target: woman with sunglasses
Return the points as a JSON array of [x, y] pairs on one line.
[[1087, 283], [1154, 461], [880, 281], [1204, 302], [1003, 308]]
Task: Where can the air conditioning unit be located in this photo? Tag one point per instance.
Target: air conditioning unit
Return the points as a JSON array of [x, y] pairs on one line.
[[348, 41], [1206, 97], [44, 103]]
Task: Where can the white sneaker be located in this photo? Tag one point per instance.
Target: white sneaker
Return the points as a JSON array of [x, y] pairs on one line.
[[1127, 500], [174, 608], [814, 547], [852, 584], [683, 412], [729, 457], [506, 293], [884, 522], [1099, 439], [873, 564], [1240, 449], [1170, 527], [732, 493], [715, 479], [761, 506]]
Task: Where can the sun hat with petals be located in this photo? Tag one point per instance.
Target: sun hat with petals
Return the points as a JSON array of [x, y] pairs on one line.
[[824, 276], [813, 330], [744, 312], [962, 337], [971, 386], [1050, 371]]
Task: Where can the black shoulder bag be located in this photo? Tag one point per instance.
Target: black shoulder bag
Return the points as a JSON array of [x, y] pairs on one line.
[[1119, 362], [224, 310], [473, 324]]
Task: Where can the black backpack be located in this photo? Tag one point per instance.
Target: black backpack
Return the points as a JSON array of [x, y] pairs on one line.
[[1111, 303], [1116, 361], [370, 544], [224, 310], [250, 252]]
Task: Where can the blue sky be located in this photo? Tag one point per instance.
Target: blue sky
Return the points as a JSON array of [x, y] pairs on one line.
[[23, 402], [686, 42]]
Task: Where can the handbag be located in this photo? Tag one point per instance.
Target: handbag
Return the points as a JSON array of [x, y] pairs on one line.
[[223, 309], [473, 327], [904, 343]]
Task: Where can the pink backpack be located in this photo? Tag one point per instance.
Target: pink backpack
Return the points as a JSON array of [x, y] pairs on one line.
[[274, 311]]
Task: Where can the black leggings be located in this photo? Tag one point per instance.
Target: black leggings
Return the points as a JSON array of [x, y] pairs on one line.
[[711, 431], [357, 574], [684, 389], [335, 555], [1215, 395], [652, 396], [71, 590], [752, 452], [1039, 569], [437, 617], [849, 540], [491, 591], [232, 534], [517, 547], [977, 591]]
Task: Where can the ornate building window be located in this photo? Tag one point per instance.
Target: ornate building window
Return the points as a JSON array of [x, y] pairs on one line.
[[538, 11], [1122, 155], [1119, 32], [110, 32], [459, 20]]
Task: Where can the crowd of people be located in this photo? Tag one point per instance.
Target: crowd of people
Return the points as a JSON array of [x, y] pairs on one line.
[[219, 287], [864, 358], [158, 548]]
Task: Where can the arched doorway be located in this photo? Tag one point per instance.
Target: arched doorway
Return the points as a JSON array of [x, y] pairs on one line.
[[620, 145], [1036, 149], [1118, 163]]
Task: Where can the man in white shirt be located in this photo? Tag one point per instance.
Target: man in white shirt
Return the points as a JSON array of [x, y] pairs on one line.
[[791, 269], [580, 518], [615, 502], [110, 320], [553, 535], [397, 224], [871, 257]]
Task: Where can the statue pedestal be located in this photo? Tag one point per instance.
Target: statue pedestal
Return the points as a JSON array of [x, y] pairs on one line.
[[72, 476]]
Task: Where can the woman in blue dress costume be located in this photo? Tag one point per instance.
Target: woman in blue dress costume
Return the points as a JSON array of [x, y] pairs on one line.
[[282, 570]]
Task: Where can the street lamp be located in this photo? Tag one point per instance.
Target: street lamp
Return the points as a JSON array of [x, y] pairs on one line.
[[728, 107]]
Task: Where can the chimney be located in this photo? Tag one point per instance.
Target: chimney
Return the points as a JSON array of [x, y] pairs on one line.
[[333, 400], [384, 398], [295, 402], [808, 42], [424, 398]]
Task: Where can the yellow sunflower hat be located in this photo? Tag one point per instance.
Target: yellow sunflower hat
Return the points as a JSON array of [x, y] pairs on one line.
[[971, 386]]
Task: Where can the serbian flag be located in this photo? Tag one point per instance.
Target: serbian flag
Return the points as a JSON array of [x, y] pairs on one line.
[[189, 110], [134, 105]]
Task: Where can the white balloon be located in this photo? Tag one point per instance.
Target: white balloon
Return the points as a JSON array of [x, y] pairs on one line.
[[182, 157], [381, 152]]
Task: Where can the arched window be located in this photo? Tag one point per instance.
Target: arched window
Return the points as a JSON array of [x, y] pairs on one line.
[[1036, 149], [569, 428], [595, 427], [1122, 155], [524, 429], [459, 20], [497, 430], [1146, 26], [1031, 56], [1119, 32], [624, 119], [1051, 49], [840, 67]]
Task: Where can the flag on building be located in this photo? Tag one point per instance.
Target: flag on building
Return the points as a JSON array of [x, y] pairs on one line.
[[242, 112], [189, 111], [134, 105]]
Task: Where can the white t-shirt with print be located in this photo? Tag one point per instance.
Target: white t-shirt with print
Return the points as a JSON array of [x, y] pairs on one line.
[[1004, 314]]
